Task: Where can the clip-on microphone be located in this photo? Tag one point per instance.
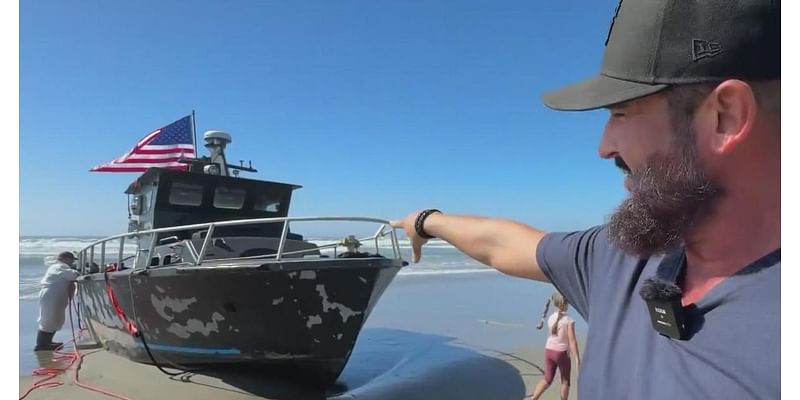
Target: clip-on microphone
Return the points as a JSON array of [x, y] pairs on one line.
[[663, 300]]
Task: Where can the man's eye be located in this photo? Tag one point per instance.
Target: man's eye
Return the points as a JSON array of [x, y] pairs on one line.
[[617, 114]]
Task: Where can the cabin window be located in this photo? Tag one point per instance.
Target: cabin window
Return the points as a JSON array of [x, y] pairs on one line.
[[230, 198], [145, 199], [140, 203], [186, 194], [266, 202], [135, 205]]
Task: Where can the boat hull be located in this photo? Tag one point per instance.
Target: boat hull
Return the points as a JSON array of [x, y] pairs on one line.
[[301, 316]]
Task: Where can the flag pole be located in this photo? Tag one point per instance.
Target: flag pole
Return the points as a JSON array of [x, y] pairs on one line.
[[194, 136]]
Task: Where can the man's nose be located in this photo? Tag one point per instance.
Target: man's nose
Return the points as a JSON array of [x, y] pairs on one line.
[[608, 146]]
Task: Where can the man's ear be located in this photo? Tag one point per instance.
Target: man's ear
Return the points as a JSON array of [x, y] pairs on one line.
[[734, 106]]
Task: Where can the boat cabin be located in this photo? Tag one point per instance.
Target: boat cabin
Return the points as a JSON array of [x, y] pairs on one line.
[[162, 198]]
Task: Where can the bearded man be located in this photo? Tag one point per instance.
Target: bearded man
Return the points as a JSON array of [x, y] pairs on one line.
[[693, 92]]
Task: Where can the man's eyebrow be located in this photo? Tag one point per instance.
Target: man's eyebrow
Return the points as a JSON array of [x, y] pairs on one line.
[[618, 107]]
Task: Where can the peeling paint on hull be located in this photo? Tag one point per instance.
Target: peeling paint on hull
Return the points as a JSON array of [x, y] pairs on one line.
[[242, 315]]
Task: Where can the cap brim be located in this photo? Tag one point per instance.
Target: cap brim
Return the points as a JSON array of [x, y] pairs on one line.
[[598, 92]]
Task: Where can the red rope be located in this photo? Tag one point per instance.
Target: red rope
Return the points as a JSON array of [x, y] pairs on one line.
[[118, 309], [71, 357], [50, 373]]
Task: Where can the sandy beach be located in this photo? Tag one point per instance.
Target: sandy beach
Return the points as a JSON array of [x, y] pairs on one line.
[[463, 336]]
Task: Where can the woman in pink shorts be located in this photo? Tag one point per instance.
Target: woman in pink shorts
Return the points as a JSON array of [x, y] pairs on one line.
[[560, 344]]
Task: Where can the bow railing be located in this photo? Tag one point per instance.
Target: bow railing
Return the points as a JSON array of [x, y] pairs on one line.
[[197, 256]]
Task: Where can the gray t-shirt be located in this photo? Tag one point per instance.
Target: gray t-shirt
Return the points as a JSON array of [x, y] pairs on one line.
[[733, 348]]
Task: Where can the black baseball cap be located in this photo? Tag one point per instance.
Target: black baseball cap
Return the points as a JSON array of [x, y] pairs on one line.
[[653, 44]]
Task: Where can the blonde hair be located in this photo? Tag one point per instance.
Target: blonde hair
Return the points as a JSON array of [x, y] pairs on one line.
[[559, 303]]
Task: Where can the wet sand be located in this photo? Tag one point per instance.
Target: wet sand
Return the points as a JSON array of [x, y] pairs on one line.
[[455, 337]]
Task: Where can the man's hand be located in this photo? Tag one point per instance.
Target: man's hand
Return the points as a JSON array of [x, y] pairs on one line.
[[508, 246], [417, 241]]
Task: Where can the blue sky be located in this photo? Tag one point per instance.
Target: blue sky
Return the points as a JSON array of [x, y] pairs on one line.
[[376, 108]]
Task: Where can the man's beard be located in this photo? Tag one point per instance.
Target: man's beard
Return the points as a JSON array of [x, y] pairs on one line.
[[670, 196]]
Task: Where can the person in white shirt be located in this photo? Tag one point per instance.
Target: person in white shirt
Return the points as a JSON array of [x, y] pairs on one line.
[[58, 285], [561, 343]]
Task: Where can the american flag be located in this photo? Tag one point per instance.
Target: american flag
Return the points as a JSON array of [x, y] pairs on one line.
[[161, 148]]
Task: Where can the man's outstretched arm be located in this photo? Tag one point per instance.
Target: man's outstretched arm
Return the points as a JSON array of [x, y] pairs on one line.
[[508, 246]]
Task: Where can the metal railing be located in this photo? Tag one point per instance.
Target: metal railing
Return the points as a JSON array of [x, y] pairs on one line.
[[199, 256]]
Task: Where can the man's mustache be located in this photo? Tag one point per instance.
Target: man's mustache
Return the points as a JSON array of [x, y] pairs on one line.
[[620, 163]]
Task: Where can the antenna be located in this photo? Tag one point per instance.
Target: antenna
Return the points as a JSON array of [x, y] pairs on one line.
[[215, 143]]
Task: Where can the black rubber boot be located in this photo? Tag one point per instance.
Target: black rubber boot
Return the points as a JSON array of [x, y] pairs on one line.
[[44, 341]]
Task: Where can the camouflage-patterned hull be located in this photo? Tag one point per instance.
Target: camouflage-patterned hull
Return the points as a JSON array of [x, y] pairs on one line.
[[302, 316]]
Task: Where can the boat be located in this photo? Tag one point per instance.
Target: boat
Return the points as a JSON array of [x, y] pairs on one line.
[[218, 277]]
